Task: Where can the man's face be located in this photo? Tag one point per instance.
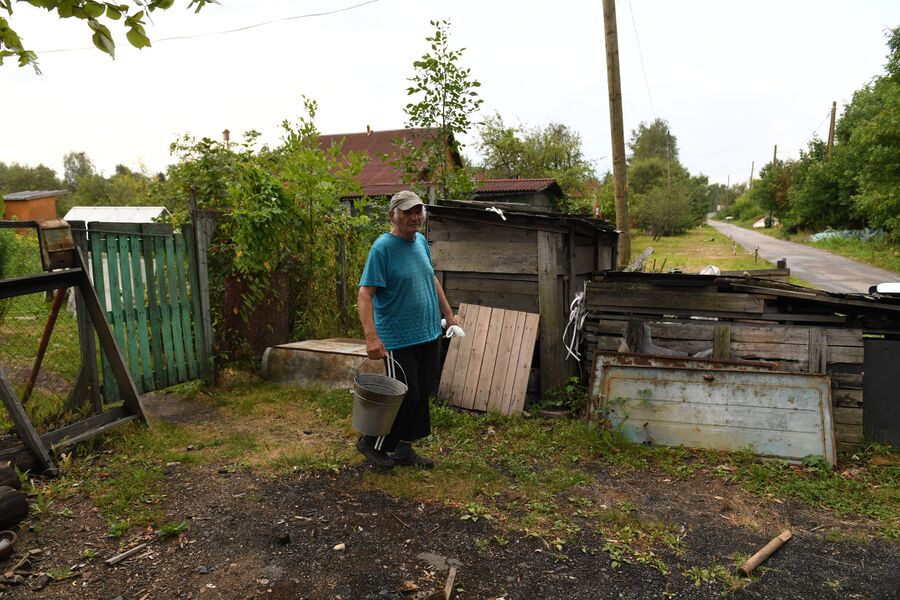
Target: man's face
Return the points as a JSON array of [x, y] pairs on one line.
[[408, 222]]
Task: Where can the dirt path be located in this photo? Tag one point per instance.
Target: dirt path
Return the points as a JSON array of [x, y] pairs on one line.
[[822, 269]]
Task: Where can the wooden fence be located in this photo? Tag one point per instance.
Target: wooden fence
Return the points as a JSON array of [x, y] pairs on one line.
[[149, 285]]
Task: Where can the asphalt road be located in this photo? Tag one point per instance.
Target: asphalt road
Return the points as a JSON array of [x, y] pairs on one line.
[[821, 269]]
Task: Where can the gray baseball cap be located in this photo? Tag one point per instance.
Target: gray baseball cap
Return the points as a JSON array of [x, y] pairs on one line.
[[404, 200]]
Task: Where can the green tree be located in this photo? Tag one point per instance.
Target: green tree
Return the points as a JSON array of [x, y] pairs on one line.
[[821, 192], [553, 150], [446, 100], [95, 15], [22, 178], [868, 143], [653, 140], [770, 191], [665, 210], [76, 165]]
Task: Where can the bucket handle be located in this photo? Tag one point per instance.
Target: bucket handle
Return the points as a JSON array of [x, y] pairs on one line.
[[392, 359]]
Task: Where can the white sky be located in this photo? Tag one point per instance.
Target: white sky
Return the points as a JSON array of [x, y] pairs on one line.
[[733, 78]]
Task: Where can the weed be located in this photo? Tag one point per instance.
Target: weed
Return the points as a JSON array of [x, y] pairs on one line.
[[476, 511], [118, 528], [61, 573], [834, 585], [89, 553], [171, 530]]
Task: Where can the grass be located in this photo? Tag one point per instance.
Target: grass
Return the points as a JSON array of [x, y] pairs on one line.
[[879, 252], [690, 252], [524, 474]]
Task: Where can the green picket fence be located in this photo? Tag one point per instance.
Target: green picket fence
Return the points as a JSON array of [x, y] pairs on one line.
[[146, 278]]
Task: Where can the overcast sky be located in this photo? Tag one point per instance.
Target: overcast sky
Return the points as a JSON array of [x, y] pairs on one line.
[[733, 78]]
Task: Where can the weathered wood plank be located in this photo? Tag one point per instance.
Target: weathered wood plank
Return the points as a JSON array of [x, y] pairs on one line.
[[466, 281], [553, 356], [502, 364], [844, 337], [184, 302], [148, 254], [484, 257], [450, 360], [511, 372], [847, 415], [847, 398], [523, 364], [664, 301], [458, 383], [488, 363], [817, 346], [165, 312], [140, 306], [844, 354], [518, 302], [722, 342], [476, 357], [177, 335]]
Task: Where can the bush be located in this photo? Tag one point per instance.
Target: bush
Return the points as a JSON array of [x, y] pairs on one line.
[[743, 209]]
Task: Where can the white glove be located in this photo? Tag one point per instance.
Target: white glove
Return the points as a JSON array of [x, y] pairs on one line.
[[454, 331]]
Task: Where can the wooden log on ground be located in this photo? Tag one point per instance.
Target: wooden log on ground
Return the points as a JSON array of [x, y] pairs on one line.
[[13, 507], [765, 552]]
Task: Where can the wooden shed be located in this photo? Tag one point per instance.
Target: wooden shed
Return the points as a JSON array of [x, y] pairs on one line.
[[852, 338], [524, 261], [31, 206]]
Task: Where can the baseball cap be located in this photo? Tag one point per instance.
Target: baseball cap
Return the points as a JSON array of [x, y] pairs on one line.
[[404, 200]]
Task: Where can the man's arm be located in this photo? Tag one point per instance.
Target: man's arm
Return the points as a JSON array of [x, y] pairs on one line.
[[445, 306], [374, 347]]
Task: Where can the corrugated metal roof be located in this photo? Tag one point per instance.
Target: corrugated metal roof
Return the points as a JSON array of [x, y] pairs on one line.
[[490, 186], [378, 171], [33, 195], [116, 214]]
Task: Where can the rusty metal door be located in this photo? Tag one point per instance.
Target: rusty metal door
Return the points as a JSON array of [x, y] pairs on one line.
[[881, 409]]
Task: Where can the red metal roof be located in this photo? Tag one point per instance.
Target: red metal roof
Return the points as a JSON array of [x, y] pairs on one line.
[[378, 172], [493, 186]]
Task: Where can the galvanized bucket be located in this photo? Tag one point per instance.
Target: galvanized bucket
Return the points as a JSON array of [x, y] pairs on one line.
[[376, 401]]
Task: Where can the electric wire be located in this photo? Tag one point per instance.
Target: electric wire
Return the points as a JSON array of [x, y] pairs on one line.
[[228, 31]]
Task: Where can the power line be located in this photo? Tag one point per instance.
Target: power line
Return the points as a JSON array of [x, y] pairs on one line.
[[227, 31], [641, 56], [753, 143]]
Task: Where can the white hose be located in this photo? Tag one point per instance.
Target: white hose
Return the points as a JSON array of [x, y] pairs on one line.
[[577, 315]]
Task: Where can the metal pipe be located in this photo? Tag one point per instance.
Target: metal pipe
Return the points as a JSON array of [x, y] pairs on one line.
[[45, 341]]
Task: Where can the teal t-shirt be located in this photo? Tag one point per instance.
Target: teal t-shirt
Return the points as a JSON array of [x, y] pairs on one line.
[[406, 303]]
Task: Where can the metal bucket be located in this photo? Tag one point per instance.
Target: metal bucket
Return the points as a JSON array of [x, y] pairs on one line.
[[376, 401]]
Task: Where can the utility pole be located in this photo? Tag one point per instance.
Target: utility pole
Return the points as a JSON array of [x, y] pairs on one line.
[[617, 131], [831, 130], [775, 157], [752, 166]]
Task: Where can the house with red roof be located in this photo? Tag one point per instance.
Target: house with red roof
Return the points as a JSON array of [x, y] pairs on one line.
[[380, 178]]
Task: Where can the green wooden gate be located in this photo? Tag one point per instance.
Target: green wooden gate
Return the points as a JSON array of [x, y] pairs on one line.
[[146, 278]]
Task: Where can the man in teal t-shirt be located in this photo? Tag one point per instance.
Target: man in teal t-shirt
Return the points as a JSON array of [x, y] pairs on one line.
[[400, 307]]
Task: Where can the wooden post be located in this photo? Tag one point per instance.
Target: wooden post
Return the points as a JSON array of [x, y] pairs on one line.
[[818, 350], [204, 226], [86, 340], [722, 342], [23, 425], [553, 355], [752, 167], [831, 130], [617, 130], [342, 292]]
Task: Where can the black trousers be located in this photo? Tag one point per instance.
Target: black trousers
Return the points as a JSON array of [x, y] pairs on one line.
[[419, 368]]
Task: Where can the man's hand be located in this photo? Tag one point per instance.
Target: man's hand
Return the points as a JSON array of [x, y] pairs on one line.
[[375, 348]]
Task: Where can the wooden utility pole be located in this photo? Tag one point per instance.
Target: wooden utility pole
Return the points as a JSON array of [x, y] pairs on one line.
[[775, 156], [752, 167], [831, 129], [617, 131]]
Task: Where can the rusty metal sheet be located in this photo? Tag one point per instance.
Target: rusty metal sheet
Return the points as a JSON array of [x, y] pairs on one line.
[[601, 359], [329, 364], [777, 414]]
